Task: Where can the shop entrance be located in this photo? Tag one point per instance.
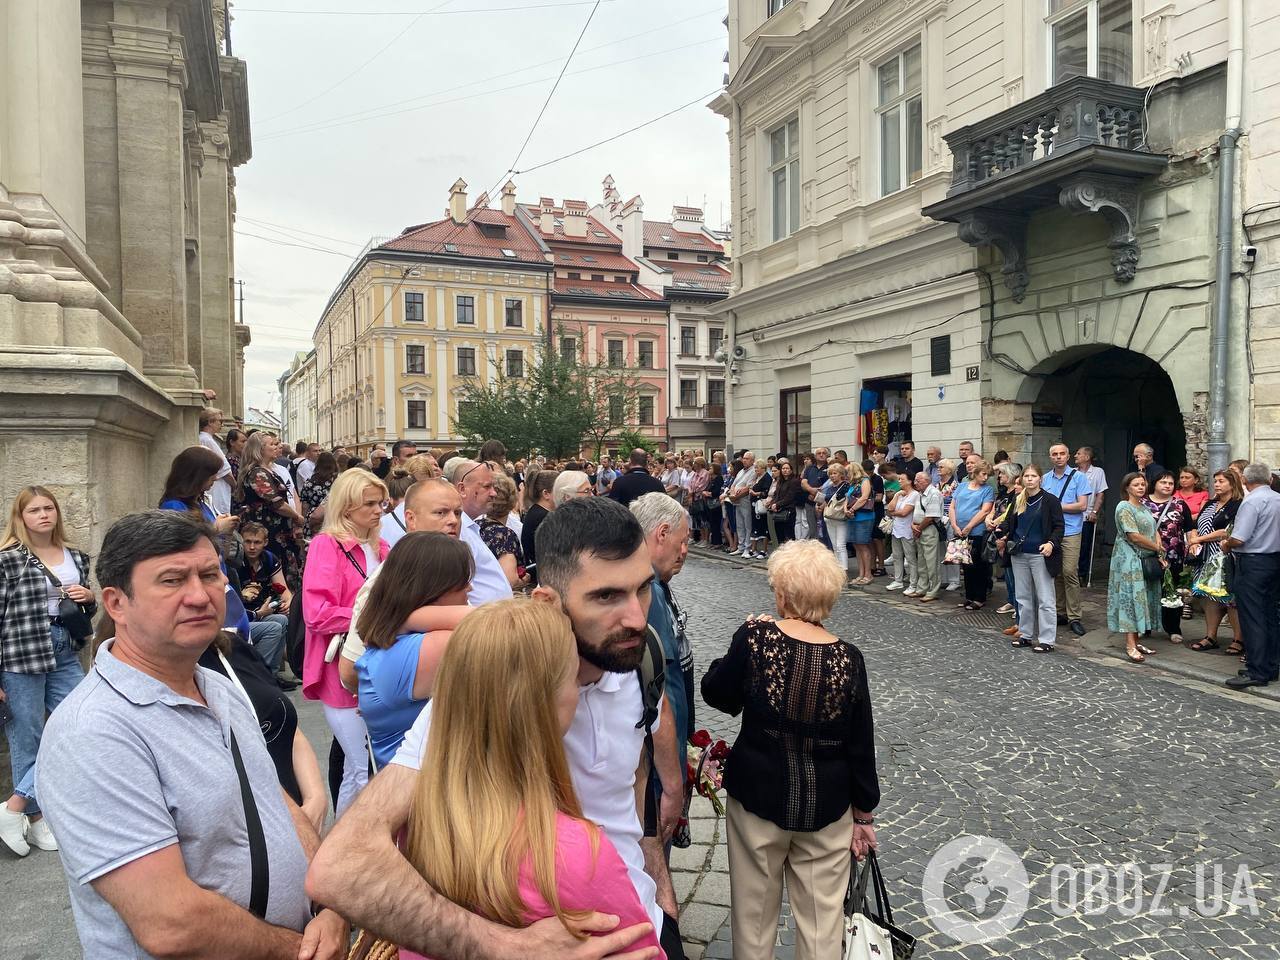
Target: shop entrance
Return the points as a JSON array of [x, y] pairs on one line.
[[884, 413]]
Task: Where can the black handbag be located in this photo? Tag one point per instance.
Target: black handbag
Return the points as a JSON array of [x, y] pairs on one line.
[[904, 945], [1151, 568], [72, 617]]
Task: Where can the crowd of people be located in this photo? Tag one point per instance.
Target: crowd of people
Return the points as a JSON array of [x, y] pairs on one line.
[[501, 659]]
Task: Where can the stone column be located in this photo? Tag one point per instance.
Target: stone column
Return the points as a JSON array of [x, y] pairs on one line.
[[216, 317], [235, 402]]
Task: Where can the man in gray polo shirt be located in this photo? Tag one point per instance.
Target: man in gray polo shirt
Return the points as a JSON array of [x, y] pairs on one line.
[[1255, 545], [144, 765]]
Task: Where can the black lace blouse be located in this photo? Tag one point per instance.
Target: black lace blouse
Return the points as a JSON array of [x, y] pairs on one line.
[[806, 751]]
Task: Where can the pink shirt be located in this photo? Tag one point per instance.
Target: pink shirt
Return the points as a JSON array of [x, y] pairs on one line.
[[330, 582], [1194, 500], [584, 882]]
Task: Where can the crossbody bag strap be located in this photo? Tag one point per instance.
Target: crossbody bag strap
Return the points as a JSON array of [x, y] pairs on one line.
[[32, 558], [234, 678], [260, 872], [359, 569], [399, 522]]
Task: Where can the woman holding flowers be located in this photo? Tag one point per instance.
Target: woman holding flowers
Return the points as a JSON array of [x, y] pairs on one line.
[[1173, 518], [801, 777], [1212, 527]]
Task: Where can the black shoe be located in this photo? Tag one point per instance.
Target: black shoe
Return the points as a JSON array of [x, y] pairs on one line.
[[1062, 621], [1239, 683], [1077, 628], [286, 685]]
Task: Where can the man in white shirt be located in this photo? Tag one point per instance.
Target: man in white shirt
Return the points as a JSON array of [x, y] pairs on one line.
[[740, 498], [220, 492], [1097, 480], [594, 563], [305, 465], [474, 482]]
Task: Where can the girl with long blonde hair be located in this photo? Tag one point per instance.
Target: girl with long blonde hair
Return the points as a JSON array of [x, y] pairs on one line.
[[495, 825], [340, 559]]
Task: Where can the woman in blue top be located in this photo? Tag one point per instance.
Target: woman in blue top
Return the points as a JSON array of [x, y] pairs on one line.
[[970, 508], [397, 670]]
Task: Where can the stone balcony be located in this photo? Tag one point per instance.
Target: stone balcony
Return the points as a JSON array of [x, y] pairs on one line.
[[1078, 145]]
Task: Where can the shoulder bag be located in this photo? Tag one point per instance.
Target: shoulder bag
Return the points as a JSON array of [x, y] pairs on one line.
[[259, 869], [338, 639], [1152, 569], [72, 616], [867, 935], [838, 507]]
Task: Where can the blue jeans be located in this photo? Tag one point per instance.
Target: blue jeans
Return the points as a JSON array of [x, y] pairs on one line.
[[30, 696], [268, 635]]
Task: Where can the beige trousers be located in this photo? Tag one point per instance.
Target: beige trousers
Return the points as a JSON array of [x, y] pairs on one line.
[[816, 866], [1067, 583]]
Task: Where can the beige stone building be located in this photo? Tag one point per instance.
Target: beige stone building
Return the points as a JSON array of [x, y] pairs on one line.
[[998, 220], [121, 124], [297, 387]]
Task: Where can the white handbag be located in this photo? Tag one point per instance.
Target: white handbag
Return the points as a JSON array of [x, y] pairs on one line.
[[865, 940], [870, 936]]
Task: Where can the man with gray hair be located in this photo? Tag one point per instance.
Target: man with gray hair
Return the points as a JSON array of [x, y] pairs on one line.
[[1255, 546], [1144, 461], [474, 483], [666, 533], [740, 497]]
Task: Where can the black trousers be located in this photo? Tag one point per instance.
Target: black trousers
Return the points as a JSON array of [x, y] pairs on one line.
[[669, 938], [977, 575], [1256, 586]]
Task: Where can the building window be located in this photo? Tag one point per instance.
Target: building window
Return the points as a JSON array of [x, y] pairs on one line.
[[413, 309], [617, 409], [899, 118], [716, 337], [415, 358], [702, 258], [466, 361], [688, 393], [774, 6], [794, 434], [515, 363], [568, 348], [688, 341], [614, 348], [715, 398], [515, 313], [784, 177], [673, 256], [417, 415], [574, 276], [644, 354], [646, 411], [1091, 38], [940, 356], [466, 310], [597, 276]]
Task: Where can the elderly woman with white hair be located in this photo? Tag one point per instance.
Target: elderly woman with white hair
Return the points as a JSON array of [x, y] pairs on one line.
[[801, 776], [570, 484]]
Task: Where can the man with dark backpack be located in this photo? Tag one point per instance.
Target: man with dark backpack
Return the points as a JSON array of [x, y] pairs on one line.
[[593, 562]]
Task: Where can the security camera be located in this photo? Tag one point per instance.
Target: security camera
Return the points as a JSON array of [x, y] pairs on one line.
[[1249, 254]]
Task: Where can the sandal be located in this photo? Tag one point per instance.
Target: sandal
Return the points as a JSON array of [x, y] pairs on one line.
[[1043, 648], [1175, 639], [1146, 650], [1234, 649], [1135, 656], [1021, 642], [1205, 643]]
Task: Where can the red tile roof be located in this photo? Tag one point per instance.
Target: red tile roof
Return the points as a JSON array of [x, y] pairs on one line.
[[604, 289], [698, 276], [656, 232], [597, 233], [600, 260], [468, 240]]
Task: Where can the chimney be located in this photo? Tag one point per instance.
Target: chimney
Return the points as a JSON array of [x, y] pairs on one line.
[[458, 201], [509, 198], [687, 219], [547, 216], [575, 218], [633, 228]]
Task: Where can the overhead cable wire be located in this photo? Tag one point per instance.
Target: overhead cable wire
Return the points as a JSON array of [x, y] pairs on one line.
[[301, 246], [320, 126], [510, 73], [383, 49], [618, 136], [286, 228], [415, 13]]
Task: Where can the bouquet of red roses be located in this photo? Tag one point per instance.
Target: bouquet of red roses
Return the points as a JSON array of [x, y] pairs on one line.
[[704, 774]]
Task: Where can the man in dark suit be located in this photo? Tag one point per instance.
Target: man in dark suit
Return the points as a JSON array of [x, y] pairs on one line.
[[637, 481]]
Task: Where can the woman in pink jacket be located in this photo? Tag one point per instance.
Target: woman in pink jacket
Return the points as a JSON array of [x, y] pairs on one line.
[[339, 561]]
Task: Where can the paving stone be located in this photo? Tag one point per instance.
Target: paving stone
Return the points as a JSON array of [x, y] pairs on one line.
[[714, 888], [700, 921]]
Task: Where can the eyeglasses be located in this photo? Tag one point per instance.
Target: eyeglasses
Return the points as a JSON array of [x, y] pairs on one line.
[[470, 470]]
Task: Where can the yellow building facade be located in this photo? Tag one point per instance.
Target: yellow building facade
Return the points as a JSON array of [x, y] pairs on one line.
[[418, 315]]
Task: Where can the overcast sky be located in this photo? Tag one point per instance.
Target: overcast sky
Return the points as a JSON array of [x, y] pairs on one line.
[[351, 140]]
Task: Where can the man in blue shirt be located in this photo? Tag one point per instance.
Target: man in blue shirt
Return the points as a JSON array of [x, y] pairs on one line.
[[1255, 546], [1071, 487], [814, 476]]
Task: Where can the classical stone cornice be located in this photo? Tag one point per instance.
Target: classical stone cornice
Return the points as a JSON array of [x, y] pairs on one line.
[[235, 95]]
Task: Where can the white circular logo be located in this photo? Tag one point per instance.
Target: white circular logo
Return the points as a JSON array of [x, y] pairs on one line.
[[975, 889]]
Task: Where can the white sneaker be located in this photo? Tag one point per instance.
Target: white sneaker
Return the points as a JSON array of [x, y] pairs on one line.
[[951, 586], [894, 586], [911, 592], [40, 836], [13, 831]]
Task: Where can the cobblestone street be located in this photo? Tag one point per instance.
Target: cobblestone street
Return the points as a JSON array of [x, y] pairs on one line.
[[1068, 759]]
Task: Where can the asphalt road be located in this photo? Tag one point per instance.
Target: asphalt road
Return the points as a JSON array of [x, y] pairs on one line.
[[1079, 766]]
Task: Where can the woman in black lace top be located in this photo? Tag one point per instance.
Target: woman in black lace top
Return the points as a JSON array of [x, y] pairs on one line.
[[801, 776]]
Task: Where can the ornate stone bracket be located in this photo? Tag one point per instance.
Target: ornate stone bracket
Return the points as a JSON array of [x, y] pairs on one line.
[[1008, 234], [1117, 201]]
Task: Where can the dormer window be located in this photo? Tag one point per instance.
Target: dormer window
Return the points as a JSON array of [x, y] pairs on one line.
[[450, 248], [509, 253]]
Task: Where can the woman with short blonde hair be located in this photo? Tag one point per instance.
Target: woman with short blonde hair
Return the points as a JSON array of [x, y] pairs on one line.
[[495, 756], [340, 559], [794, 808]]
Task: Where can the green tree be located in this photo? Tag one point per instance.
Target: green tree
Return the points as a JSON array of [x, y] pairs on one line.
[[561, 405], [631, 439]]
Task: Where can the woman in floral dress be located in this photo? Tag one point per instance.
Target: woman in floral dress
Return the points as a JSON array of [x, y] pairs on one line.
[[315, 490], [265, 500], [1133, 602], [1212, 528], [1172, 516]]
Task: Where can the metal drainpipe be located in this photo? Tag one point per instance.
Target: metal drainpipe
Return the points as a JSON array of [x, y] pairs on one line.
[[1219, 448]]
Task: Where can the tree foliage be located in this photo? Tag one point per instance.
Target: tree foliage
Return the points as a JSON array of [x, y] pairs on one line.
[[561, 405]]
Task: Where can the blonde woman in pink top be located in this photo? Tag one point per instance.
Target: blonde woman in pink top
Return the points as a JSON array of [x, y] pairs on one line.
[[339, 561], [495, 788]]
